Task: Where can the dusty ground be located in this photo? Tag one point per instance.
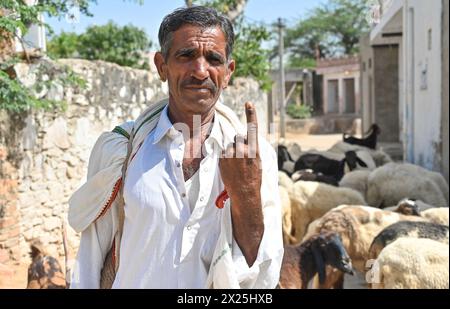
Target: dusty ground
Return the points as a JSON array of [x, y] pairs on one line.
[[318, 142]]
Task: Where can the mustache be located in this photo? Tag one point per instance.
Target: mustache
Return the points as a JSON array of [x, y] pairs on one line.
[[206, 83]]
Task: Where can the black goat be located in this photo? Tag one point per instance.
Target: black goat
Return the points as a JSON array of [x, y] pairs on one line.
[[328, 167], [309, 175], [302, 262], [370, 139], [283, 157]]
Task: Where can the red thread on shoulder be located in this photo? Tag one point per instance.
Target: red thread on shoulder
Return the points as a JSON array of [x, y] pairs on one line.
[[111, 198], [221, 199]]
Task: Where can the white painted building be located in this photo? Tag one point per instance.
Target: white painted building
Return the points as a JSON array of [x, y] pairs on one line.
[[34, 38], [419, 29], [340, 85]]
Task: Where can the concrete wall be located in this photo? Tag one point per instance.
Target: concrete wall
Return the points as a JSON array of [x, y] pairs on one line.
[[366, 83], [340, 77], [423, 95], [380, 83], [385, 97], [44, 155], [445, 82]]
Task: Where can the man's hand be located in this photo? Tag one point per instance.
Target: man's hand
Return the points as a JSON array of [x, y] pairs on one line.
[[241, 172]]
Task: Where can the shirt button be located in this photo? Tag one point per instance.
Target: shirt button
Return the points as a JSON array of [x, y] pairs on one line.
[[201, 199], [183, 195], [206, 169], [188, 227], [178, 164]]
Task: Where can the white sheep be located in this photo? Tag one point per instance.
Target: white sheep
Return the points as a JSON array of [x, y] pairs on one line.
[[285, 181], [286, 216], [390, 183], [437, 215], [412, 263], [436, 177], [311, 200], [379, 157], [356, 180]]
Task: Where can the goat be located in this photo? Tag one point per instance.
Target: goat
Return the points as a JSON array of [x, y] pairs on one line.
[[320, 164], [45, 272], [301, 263], [284, 160], [369, 141], [309, 175]]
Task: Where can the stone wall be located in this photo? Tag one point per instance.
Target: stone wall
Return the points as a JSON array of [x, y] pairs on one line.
[[445, 91], [44, 155]]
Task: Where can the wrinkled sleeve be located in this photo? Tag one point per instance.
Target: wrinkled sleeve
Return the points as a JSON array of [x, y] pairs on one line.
[[265, 272], [88, 202], [96, 241]]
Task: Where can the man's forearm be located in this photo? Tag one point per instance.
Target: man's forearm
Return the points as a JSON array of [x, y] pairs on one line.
[[248, 225]]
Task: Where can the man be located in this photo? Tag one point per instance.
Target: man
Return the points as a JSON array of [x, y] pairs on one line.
[[201, 192]]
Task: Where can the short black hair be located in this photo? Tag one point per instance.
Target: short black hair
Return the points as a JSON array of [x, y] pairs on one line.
[[201, 16]]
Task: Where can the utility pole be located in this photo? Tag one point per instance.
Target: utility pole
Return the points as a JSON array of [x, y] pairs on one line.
[[282, 84]]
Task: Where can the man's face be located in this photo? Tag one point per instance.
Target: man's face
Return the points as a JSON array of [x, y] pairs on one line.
[[196, 68]]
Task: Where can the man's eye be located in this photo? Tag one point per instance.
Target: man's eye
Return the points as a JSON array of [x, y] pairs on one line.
[[215, 60]]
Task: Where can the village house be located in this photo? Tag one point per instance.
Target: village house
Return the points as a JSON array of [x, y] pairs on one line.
[[404, 80]]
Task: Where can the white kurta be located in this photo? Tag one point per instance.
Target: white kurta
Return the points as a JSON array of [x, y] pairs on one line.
[[165, 244]]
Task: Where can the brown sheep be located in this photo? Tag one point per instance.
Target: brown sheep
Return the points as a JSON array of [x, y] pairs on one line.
[[311, 200], [388, 235], [302, 262], [357, 227]]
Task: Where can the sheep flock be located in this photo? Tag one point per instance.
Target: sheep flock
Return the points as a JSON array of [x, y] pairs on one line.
[[389, 219]]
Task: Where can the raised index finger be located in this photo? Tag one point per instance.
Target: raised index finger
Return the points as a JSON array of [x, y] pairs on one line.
[[252, 129], [252, 121]]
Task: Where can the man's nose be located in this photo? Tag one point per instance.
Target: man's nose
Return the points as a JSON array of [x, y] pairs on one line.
[[200, 68]]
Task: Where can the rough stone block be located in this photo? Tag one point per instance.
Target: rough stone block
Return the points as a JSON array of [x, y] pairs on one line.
[[51, 223]]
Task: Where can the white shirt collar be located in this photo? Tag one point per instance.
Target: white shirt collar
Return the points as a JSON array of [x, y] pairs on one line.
[[165, 127]]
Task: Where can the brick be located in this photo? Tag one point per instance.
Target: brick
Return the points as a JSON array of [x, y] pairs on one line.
[[14, 232], [4, 256], [7, 222]]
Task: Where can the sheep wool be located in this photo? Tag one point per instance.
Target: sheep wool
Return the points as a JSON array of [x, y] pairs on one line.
[[310, 200], [389, 184], [437, 215], [411, 263], [357, 226], [285, 181], [286, 214], [379, 157], [356, 180]]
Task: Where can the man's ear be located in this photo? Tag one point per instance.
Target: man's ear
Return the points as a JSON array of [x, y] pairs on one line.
[[230, 71], [160, 64]]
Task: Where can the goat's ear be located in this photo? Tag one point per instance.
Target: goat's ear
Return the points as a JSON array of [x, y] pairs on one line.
[[350, 159], [361, 162], [320, 263]]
